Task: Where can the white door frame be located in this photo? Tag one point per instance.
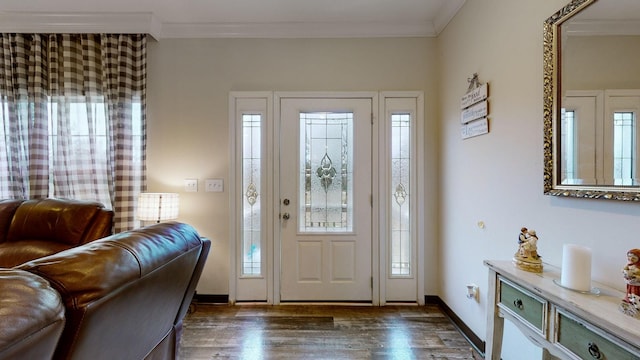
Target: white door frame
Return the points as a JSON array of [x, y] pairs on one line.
[[418, 209], [255, 102], [379, 186]]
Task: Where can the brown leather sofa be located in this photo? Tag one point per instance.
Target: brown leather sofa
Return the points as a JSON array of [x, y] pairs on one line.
[[125, 295], [31, 229]]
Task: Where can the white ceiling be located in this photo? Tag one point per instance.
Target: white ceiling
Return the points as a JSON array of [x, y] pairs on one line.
[[232, 18], [610, 17]]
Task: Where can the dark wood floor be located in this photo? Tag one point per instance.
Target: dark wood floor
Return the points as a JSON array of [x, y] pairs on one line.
[[321, 332]]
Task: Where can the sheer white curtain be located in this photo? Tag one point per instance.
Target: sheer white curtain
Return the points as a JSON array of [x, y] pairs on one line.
[[72, 118]]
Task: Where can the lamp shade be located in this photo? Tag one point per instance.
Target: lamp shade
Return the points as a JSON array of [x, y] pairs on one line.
[[158, 206]]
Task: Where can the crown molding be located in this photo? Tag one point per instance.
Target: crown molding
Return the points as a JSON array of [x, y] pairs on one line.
[[147, 23], [601, 27], [297, 30], [32, 22]]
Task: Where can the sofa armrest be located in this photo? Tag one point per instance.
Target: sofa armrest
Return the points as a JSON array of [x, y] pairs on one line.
[[122, 293], [191, 290], [32, 316], [101, 226]]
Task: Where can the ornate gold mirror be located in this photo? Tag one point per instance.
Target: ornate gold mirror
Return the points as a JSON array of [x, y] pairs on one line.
[[592, 100]]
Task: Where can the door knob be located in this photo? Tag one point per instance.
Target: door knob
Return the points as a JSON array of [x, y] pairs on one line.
[[285, 216], [286, 201]]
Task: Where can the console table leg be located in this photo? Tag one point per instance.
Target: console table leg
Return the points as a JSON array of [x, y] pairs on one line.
[[495, 323], [546, 355]]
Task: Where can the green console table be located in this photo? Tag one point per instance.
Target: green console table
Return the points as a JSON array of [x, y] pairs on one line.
[[566, 324]]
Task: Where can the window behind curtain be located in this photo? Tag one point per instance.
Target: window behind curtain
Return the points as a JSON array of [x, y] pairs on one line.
[[89, 130], [72, 118]]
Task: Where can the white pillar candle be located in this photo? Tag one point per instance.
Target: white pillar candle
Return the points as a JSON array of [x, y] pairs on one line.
[[576, 267]]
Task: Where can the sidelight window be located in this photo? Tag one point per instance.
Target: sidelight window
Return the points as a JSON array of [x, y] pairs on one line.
[[568, 144], [624, 147]]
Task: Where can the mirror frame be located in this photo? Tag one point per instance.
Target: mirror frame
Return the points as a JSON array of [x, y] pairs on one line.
[[551, 111]]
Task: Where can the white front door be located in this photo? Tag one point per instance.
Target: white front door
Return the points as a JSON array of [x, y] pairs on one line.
[[325, 199]]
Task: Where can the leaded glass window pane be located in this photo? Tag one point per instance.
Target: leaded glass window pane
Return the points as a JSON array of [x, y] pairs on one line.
[[568, 144], [251, 179], [326, 172], [624, 145], [401, 243]]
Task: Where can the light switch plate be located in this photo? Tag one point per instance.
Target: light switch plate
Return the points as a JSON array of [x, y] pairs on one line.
[[214, 185], [191, 185]]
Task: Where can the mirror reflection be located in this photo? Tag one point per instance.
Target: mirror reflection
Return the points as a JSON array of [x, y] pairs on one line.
[[599, 82]]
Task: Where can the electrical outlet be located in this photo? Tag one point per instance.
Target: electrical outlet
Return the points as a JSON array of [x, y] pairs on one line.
[[472, 291], [191, 185], [214, 185]]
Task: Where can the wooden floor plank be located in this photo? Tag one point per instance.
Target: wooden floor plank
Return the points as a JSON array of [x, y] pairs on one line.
[[321, 332]]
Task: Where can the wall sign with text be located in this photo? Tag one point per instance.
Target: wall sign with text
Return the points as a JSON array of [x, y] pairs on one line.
[[475, 109]]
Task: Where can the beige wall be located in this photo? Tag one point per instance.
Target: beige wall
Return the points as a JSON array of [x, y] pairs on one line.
[[497, 178], [601, 62], [188, 87]]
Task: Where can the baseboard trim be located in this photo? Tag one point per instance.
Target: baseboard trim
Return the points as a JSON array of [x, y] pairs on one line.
[[475, 341], [432, 300], [212, 299]]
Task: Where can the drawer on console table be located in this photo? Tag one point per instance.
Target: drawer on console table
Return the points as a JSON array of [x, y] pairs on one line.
[[582, 340], [523, 304]]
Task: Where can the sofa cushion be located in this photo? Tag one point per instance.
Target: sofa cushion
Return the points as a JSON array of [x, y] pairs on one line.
[[65, 221], [31, 314], [13, 254], [85, 273], [7, 210]]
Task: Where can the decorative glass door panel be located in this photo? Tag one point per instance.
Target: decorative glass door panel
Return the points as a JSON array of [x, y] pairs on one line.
[[326, 179], [251, 208], [401, 240]]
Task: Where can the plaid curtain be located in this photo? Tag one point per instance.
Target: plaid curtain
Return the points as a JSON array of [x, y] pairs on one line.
[[72, 119]]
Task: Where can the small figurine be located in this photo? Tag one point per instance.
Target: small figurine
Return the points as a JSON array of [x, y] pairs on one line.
[[523, 235], [527, 258], [631, 272]]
